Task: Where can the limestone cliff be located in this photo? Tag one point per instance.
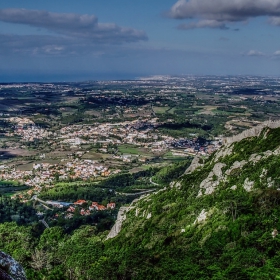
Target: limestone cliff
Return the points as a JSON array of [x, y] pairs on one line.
[[254, 131], [214, 222]]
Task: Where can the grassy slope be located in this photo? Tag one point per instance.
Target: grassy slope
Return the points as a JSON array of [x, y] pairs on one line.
[[234, 242], [163, 238]]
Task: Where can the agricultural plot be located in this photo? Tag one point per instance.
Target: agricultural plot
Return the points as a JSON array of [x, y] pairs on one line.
[[160, 110], [133, 150]]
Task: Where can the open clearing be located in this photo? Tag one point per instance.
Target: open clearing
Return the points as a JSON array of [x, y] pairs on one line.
[[161, 110], [134, 150], [207, 110]]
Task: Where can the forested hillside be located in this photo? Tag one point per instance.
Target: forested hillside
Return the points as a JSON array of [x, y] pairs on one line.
[[213, 223]]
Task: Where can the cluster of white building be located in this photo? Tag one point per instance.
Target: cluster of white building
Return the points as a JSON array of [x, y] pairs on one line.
[[31, 133], [43, 174]]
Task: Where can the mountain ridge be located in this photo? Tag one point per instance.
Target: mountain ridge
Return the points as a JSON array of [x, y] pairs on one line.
[[223, 210], [219, 219]]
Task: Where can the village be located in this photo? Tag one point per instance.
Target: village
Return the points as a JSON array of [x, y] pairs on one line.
[[78, 152], [127, 132], [81, 206], [106, 138]]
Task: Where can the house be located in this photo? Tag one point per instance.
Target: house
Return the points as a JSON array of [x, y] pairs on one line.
[[96, 206], [84, 212], [92, 208], [80, 202], [101, 207], [111, 205], [30, 192], [71, 209]]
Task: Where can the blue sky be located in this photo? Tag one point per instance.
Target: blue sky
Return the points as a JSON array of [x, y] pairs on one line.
[[69, 40]]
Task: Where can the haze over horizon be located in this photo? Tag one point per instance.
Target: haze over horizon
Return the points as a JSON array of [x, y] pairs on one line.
[[85, 40]]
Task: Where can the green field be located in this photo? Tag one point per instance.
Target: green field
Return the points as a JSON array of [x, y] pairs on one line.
[[171, 110], [171, 157], [161, 110], [224, 113], [133, 150]]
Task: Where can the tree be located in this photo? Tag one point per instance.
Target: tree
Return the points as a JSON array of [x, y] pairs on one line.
[[39, 259]]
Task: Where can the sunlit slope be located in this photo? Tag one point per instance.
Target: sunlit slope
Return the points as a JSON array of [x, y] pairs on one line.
[[213, 223]]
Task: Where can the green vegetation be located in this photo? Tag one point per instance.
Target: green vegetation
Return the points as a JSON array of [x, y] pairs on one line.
[[73, 192], [210, 224], [103, 189], [13, 210], [267, 141], [161, 110], [131, 149], [10, 187], [222, 235], [171, 172], [231, 109]]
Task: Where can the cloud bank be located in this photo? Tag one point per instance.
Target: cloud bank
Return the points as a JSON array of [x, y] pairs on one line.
[[254, 53], [202, 24], [219, 12], [73, 25], [277, 53]]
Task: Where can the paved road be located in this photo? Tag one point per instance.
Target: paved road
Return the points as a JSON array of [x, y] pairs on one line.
[[139, 193], [153, 183]]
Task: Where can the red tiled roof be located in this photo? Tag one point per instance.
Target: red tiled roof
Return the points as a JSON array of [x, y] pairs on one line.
[[80, 201], [111, 205]]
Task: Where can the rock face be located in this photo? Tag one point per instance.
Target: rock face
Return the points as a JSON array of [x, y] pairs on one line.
[[194, 164], [248, 185], [118, 224], [236, 165], [209, 184], [254, 131], [201, 217], [10, 269]]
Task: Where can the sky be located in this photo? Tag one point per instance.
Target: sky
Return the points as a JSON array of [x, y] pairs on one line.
[[71, 40]]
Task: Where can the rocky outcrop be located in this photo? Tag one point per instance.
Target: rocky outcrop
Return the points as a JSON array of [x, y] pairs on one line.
[[254, 131], [10, 269], [118, 224], [195, 164], [248, 185], [115, 230], [224, 151], [208, 185], [236, 165], [201, 217]]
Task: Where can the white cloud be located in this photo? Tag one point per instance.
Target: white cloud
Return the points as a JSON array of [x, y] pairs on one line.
[[73, 25], [274, 21], [225, 11], [276, 53], [37, 45], [254, 53]]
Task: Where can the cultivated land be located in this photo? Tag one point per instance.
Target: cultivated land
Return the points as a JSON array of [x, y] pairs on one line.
[[147, 156], [98, 140]]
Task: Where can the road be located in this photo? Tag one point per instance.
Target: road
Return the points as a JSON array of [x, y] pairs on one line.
[[153, 183], [139, 193]]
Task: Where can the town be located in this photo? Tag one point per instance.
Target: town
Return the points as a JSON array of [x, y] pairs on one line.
[[69, 142]]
